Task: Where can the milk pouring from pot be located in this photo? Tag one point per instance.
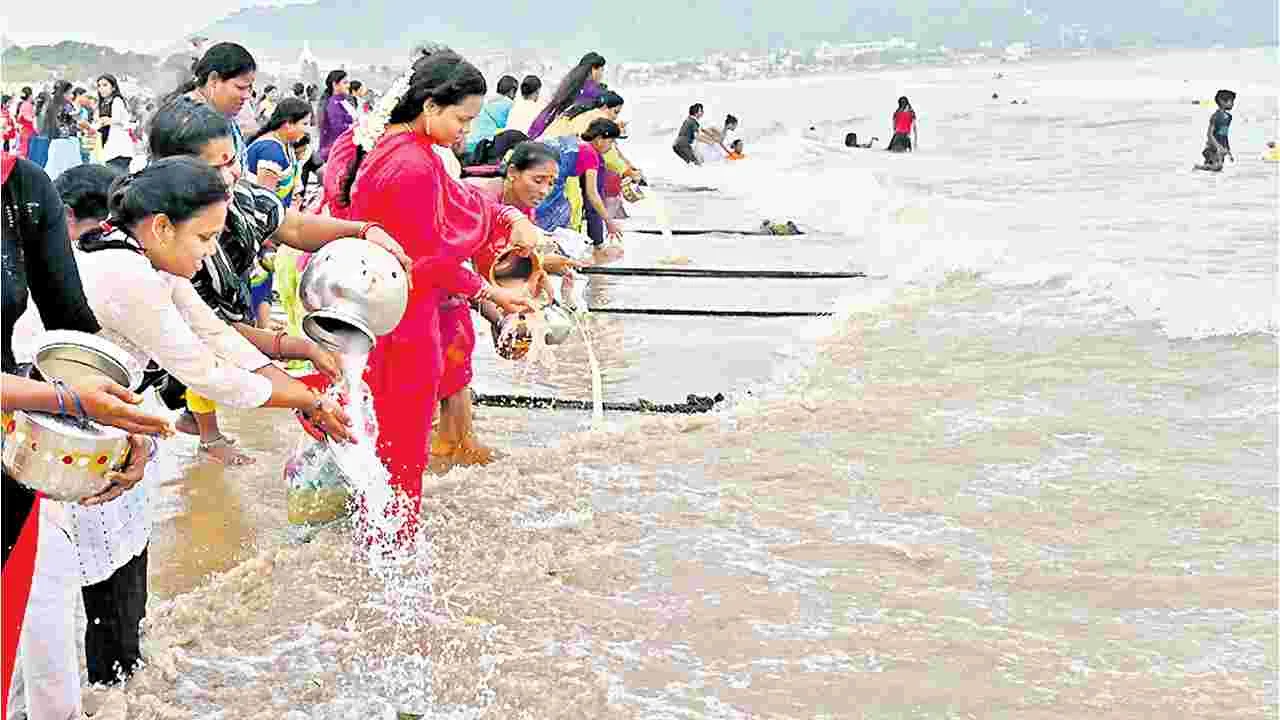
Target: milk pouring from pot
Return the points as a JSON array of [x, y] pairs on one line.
[[354, 292]]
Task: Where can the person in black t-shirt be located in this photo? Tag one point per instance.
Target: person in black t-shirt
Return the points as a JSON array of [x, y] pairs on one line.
[[683, 146], [1217, 145]]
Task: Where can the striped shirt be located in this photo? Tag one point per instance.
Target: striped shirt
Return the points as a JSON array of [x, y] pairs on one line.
[[253, 216]]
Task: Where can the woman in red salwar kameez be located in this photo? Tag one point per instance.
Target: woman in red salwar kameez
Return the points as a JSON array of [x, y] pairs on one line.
[[402, 184]]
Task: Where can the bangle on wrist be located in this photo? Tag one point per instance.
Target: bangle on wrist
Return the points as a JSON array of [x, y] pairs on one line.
[[57, 392], [61, 385], [279, 346], [364, 229], [79, 405]]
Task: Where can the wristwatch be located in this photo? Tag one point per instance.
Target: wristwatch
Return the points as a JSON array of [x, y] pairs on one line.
[[316, 406]]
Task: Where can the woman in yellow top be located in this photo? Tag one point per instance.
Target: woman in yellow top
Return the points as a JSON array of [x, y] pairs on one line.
[[574, 122]]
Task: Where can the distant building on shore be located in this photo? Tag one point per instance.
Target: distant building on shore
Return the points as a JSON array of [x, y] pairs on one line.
[[1017, 51]]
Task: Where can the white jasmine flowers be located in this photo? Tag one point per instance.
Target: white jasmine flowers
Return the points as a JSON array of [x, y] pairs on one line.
[[372, 126]]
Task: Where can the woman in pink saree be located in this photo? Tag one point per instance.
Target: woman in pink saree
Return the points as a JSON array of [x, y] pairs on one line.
[[402, 184]]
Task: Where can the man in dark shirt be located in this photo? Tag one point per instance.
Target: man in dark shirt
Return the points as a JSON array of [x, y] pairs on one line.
[[1217, 146], [683, 146]]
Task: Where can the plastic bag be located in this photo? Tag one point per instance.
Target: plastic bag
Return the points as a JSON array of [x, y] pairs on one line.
[[318, 491]]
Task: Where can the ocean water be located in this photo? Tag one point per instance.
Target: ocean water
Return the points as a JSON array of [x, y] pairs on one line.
[[1027, 470]]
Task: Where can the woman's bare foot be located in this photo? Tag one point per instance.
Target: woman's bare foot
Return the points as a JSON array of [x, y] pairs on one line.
[[471, 452], [440, 447], [222, 449], [604, 254]]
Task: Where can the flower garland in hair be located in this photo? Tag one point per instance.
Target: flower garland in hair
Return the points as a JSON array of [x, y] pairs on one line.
[[372, 126]]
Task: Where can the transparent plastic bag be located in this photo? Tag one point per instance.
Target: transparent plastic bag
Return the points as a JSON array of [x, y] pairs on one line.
[[318, 491]]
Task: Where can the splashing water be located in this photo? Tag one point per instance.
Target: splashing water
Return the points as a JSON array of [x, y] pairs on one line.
[[670, 257], [597, 386], [359, 461], [399, 562]]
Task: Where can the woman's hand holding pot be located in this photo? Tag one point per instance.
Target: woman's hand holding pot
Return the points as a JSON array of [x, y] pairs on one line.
[[325, 361], [113, 404], [559, 264], [379, 237], [511, 300], [141, 449], [525, 236]]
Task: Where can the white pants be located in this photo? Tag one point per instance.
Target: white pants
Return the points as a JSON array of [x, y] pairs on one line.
[[48, 667]]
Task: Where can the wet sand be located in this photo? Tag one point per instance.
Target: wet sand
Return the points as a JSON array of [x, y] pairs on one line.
[[853, 553]]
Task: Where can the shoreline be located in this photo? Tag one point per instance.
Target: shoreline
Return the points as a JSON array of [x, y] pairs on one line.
[[1037, 59]]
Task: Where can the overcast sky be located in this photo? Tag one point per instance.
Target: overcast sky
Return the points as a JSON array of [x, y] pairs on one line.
[[139, 25], [154, 25]]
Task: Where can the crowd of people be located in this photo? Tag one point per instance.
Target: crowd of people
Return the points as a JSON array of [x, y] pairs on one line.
[[109, 128], [67, 125], [169, 228]]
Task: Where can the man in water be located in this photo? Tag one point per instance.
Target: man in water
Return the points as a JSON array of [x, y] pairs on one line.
[[1217, 147], [683, 146]]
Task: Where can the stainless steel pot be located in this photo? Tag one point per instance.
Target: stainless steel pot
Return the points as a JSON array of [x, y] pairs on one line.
[[64, 457], [353, 292], [71, 356]]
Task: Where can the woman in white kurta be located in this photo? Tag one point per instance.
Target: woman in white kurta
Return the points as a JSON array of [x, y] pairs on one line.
[[164, 221], [115, 124]]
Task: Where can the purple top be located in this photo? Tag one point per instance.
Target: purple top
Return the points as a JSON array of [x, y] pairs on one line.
[[591, 90], [337, 118]]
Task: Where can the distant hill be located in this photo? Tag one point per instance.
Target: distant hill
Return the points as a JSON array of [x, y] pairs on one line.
[[80, 62], [382, 30]]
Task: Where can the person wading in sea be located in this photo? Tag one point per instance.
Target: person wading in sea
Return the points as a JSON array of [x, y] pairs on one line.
[[683, 145]]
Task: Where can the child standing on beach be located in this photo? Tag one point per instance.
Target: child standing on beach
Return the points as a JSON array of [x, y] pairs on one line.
[[1217, 147]]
